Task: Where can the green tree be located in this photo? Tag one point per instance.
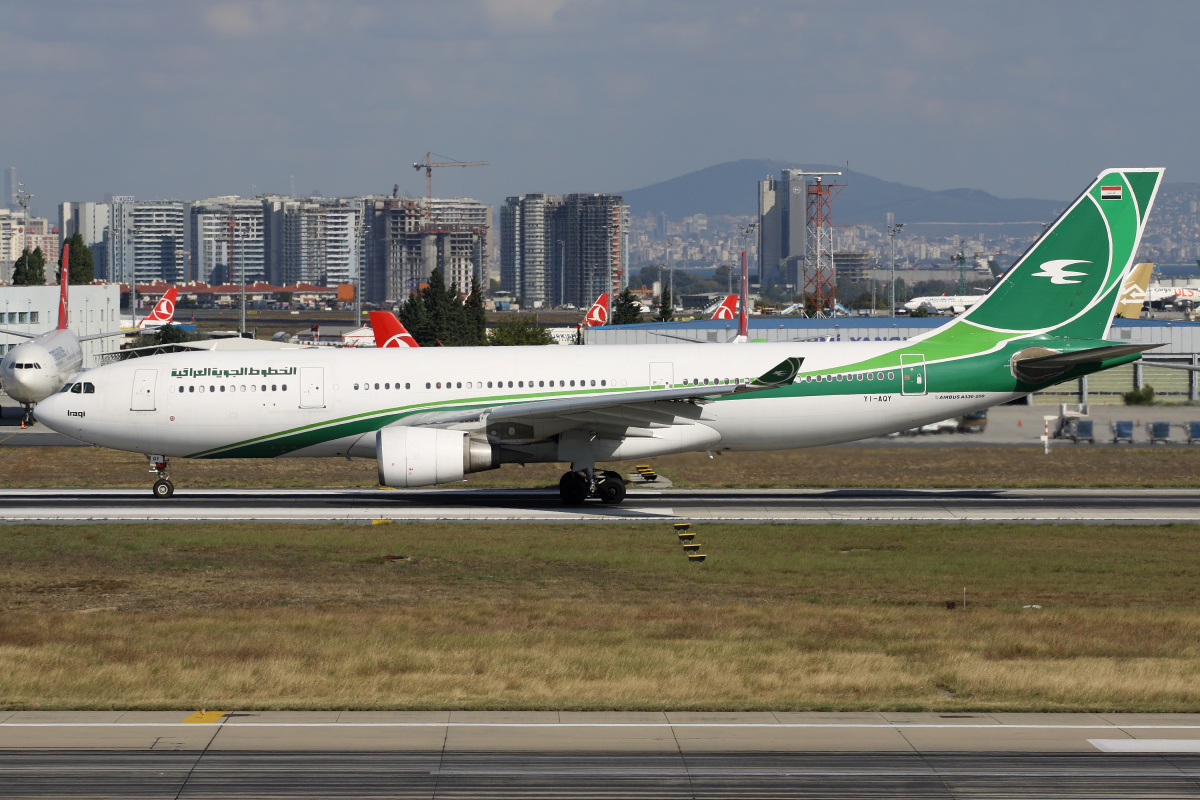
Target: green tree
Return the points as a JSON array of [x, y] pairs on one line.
[[475, 327], [30, 269], [516, 331], [665, 312], [82, 265], [626, 310]]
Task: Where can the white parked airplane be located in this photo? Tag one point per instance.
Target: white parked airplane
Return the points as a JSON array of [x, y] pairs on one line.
[[954, 304], [34, 370], [439, 414], [162, 314]]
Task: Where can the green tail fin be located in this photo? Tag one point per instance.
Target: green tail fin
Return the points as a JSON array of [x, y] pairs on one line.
[[1068, 283]]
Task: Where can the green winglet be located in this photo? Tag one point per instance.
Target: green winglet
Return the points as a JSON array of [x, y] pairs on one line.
[[781, 374]]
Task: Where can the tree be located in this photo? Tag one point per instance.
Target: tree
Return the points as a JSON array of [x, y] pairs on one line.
[[665, 311], [82, 265], [475, 328], [626, 310], [30, 269], [516, 331]]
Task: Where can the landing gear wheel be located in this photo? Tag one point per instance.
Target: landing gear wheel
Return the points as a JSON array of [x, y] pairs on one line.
[[611, 475], [573, 488], [163, 489], [611, 489]]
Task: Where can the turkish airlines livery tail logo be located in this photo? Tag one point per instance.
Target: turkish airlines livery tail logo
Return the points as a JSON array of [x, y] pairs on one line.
[[164, 311], [1057, 271], [727, 309], [598, 313]]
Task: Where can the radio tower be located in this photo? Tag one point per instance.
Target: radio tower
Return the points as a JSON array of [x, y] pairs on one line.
[[820, 275]]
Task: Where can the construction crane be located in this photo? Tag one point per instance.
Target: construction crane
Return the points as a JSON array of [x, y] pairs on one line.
[[428, 166]]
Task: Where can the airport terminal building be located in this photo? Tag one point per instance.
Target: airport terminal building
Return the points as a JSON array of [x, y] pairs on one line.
[[34, 309]]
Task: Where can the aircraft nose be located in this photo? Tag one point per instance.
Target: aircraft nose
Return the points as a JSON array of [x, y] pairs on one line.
[[52, 412]]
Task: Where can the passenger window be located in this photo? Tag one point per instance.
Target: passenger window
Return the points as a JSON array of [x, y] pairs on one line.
[[510, 384], [212, 388], [489, 384], [891, 376], [521, 384], [253, 388], [458, 385], [242, 388], [405, 385], [603, 383], [377, 386], [201, 390], [541, 383], [222, 388], [439, 385], [273, 387], [572, 383], [388, 386], [283, 387], [191, 389], [427, 386], [181, 390]]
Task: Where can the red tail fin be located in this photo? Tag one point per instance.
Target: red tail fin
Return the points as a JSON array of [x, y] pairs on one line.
[[389, 332], [598, 313], [164, 310], [727, 309], [64, 280]]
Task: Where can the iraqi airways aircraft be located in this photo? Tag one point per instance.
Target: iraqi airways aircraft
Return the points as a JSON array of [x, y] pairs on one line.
[[34, 370], [437, 415]]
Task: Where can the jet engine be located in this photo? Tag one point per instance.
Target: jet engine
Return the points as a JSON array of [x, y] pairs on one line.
[[424, 456]]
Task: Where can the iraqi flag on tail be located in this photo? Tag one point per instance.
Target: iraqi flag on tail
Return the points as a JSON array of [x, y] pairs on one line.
[[1110, 192]]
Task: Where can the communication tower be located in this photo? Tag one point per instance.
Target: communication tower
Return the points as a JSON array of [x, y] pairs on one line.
[[819, 278]]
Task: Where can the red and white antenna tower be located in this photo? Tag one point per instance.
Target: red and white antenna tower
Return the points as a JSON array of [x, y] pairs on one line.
[[819, 278]]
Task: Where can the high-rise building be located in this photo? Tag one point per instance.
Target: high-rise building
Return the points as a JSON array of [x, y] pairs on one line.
[[12, 241], [405, 245], [318, 239], [11, 188], [781, 228], [227, 241], [558, 250], [40, 233], [91, 221], [146, 240]]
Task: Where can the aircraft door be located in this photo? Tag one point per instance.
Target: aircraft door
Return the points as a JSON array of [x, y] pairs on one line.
[[143, 390], [312, 387], [912, 371], [661, 375]]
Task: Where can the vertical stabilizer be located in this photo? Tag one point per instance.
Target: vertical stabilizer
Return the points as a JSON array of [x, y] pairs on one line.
[[598, 313], [64, 280], [1133, 293]]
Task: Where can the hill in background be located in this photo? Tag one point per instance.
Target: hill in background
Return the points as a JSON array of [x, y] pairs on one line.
[[732, 188]]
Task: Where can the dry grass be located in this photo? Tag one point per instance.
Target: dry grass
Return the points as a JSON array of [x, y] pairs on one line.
[[613, 617], [874, 467]]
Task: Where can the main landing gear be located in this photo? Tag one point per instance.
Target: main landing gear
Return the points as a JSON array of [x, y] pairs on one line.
[[163, 488], [577, 486], [27, 417]]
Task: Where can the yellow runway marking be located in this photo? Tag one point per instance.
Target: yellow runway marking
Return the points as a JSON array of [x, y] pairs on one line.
[[205, 717]]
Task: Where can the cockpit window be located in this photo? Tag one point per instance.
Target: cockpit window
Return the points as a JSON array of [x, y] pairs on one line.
[[68, 388], [77, 388], [88, 388]]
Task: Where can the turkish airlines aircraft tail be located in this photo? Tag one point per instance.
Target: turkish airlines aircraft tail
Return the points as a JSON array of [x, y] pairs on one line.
[[598, 313], [163, 312], [727, 309], [389, 332], [64, 278]]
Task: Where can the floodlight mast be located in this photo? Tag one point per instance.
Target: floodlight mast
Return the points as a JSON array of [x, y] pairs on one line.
[[893, 229]]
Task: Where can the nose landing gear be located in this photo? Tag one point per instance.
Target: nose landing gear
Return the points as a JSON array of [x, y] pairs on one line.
[[163, 488]]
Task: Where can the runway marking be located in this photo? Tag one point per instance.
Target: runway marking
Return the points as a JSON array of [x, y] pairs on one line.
[[1146, 745], [204, 717], [797, 725]]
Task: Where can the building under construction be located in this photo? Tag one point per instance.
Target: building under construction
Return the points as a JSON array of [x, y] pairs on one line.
[[410, 237]]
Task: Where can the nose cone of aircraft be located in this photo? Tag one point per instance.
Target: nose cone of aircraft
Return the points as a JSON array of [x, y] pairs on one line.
[[52, 412]]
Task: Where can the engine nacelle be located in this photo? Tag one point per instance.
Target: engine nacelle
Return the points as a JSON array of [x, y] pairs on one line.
[[425, 456]]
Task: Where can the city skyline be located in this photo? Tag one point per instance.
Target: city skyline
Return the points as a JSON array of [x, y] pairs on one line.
[[209, 99]]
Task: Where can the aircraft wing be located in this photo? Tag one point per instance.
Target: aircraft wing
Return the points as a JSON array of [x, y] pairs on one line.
[[621, 409], [22, 334], [106, 334]]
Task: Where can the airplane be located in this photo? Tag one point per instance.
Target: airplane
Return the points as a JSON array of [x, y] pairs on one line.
[[389, 332], [1162, 296], [955, 304], [162, 314], [440, 414], [34, 370]]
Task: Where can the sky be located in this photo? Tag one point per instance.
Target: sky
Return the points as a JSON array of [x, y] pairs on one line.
[[185, 100]]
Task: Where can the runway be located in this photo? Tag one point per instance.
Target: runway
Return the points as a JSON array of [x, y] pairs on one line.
[[597, 754], [1143, 506]]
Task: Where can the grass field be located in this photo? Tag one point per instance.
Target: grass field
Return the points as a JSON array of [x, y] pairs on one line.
[[412, 616], [878, 467]]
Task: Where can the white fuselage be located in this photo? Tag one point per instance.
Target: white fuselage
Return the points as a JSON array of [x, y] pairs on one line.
[[196, 404], [956, 303], [36, 369]]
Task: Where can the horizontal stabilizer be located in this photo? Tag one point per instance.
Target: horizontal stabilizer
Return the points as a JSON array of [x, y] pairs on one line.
[[1036, 367]]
